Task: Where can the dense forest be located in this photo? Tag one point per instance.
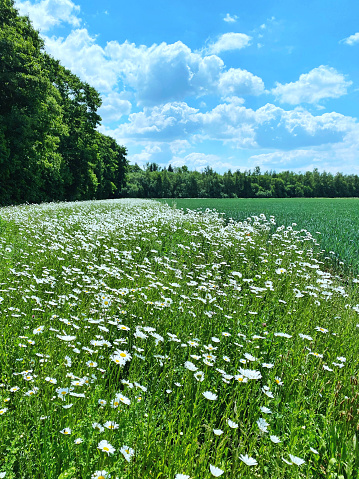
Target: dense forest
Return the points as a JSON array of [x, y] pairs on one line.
[[179, 182], [49, 146]]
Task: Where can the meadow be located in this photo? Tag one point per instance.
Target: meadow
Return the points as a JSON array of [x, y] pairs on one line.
[[333, 221], [139, 341]]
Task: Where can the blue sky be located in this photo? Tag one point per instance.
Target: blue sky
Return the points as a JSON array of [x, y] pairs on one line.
[[230, 84]]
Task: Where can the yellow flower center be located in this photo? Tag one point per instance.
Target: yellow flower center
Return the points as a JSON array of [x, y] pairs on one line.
[[123, 355], [106, 448]]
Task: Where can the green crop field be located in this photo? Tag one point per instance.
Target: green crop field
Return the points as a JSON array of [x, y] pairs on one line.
[[336, 219], [139, 341]]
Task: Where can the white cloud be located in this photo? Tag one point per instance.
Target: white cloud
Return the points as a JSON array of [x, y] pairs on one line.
[[79, 53], [321, 82], [163, 73], [113, 107], [230, 41], [230, 18], [235, 125], [156, 74], [166, 123], [352, 40], [49, 13], [240, 82], [341, 156], [198, 161]]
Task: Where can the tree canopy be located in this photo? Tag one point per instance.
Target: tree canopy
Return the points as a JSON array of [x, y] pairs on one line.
[[50, 148], [179, 182]]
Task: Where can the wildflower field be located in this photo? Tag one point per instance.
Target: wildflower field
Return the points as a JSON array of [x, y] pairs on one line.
[[333, 221], [142, 342]]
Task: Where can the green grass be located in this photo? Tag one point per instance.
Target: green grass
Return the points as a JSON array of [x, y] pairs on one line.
[[188, 305], [336, 219]]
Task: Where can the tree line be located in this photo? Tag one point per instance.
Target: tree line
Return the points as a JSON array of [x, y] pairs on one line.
[[50, 148], [156, 182]]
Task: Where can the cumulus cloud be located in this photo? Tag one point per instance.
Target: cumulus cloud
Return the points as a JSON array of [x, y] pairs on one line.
[[169, 122], [341, 156], [233, 124], [230, 41], [163, 73], [198, 161], [230, 18], [240, 82], [320, 83], [49, 13], [156, 74], [80, 54], [113, 107], [352, 40]]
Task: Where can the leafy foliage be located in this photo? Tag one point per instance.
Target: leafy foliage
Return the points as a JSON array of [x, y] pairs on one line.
[[179, 182], [49, 146]]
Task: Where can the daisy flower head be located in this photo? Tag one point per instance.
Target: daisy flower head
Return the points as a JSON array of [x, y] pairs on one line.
[[97, 425], [106, 447], [182, 476], [275, 439], [322, 330], [111, 425], [102, 402], [106, 302], [267, 365], [78, 440], [209, 395], [199, 376], [127, 452], [100, 475], [121, 399], [91, 364], [250, 374], [67, 431], [190, 366], [280, 270], [262, 424], [218, 432], [296, 460], [232, 424], [305, 336], [38, 330], [66, 337], [51, 380], [278, 381], [62, 392], [3, 411], [249, 461], [240, 378], [215, 471]]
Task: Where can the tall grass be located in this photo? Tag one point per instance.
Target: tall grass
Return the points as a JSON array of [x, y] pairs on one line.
[[333, 221], [142, 342]]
